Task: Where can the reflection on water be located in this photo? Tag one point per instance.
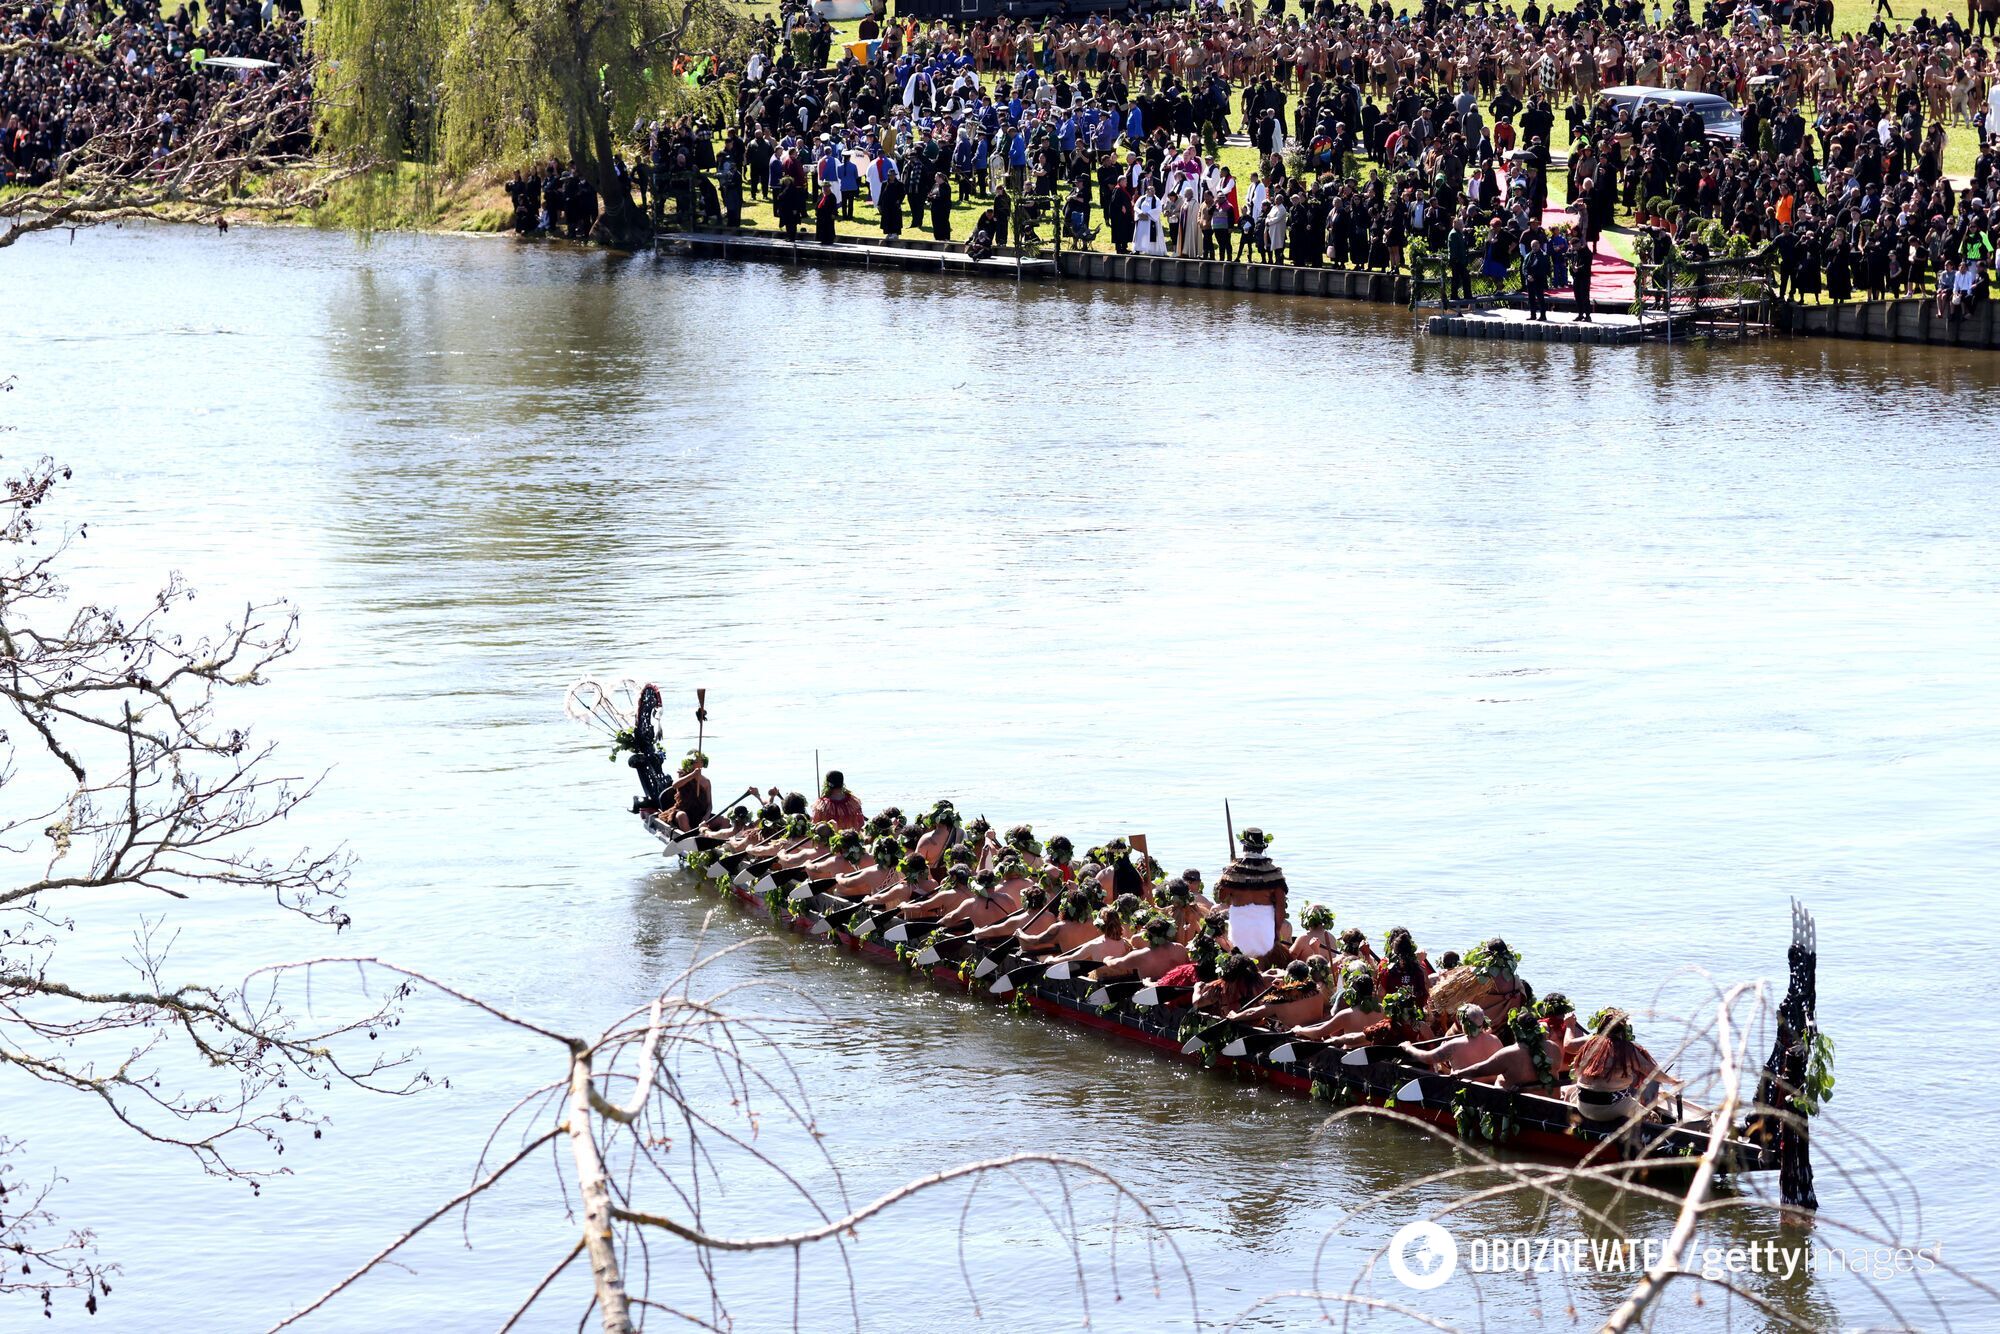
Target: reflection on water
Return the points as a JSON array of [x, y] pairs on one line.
[[1608, 650]]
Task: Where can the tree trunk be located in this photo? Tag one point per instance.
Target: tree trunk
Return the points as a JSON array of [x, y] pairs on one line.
[[595, 1188], [621, 223]]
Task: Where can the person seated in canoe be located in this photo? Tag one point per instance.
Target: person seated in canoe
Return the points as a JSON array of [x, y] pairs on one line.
[[1490, 978], [816, 843], [1558, 1018], [848, 853], [760, 837], [1403, 1020], [985, 905], [1070, 930], [1061, 855], [1532, 1061], [1359, 1009], [1197, 888], [1107, 944], [1035, 911], [1615, 1077], [1015, 875], [1316, 940], [1236, 981], [1022, 843], [1125, 875], [1159, 955], [954, 889], [913, 882], [1403, 967], [1474, 1043], [1302, 998], [885, 861], [1176, 900], [941, 829], [837, 804], [690, 799]]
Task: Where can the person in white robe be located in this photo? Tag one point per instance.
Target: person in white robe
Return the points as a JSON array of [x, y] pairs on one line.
[[1147, 237]]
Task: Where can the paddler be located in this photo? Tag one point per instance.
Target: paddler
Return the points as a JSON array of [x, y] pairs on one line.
[[1615, 1076], [985, 906], [1236, 981], [1300, 998], [941, 831], [1108, 943], [1071, 928], [1532, 1061], [1034, 898], [837, 804], [692, 800], [1316, 941], [1474, 1043], [885, 861], [1177, 901], [1253, 889], [912, 884], [1159, 955], [1402, 967], [1359, 1010]]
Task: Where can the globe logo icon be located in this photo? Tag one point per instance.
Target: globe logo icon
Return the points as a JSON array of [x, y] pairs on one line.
[[1422, 1255]]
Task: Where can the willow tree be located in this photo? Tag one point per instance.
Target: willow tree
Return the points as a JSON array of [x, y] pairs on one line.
[[471, 84]]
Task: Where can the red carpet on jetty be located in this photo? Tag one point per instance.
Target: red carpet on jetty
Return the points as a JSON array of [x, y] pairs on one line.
[[1612, 278]]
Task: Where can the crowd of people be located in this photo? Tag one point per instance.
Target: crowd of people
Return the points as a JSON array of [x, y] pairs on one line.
[[1371, 129], [75, 71], [1363, 136], [1015, 907]]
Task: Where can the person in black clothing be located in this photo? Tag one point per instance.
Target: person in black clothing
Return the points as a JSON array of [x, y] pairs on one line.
[[1535, 281], [1580, 260], [790, 206], [889, 203], [826, 212], [940, 207]]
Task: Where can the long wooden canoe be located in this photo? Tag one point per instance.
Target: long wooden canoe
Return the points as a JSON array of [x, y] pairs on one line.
[[1480, 1113]]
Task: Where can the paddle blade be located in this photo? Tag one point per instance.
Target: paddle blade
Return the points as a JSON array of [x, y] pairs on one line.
[[1284, 1055], [987, 967], [1411, 1092], [820, 927], [1191, 1046], [1359, 1056], [897, 934], [1236, 1048], [765, 884], [1146, 997], [801, 894], [1059, 973], [928, 956], [1101, 996], [1003, 986]]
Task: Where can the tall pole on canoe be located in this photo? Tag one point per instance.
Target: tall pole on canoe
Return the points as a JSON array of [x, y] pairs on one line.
[[816, 791], [1229, 824], [700, 717]]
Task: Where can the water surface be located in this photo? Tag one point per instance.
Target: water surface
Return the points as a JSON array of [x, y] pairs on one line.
[[1612, 651]]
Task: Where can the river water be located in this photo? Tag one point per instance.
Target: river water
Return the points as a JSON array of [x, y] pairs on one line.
[[1611, 651]]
